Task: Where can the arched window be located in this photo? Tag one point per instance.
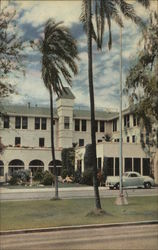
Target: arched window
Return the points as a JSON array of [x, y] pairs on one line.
[[58, 165], [1, 168], [14, 165], [35, 164]]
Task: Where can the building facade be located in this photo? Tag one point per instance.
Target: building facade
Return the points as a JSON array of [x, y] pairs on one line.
[[25, 132]]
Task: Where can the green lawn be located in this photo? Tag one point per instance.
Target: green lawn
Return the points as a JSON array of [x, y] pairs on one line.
[[33, 214], [36, 185]]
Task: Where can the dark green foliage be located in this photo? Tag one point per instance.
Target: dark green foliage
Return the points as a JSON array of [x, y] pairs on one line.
[[48, 178], [64, 173], [20, 177], [87, 177], [11, 48], [39, 174], [77, 176], [88, 157], [68, 162], [143, 75], [13, 180]]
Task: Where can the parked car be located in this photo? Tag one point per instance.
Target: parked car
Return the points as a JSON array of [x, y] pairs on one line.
[[130, 180]]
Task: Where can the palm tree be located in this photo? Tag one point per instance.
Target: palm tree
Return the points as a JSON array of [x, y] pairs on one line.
[[59, 51], [109, 9]]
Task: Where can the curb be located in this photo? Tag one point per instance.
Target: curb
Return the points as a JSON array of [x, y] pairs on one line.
[[67, 228]]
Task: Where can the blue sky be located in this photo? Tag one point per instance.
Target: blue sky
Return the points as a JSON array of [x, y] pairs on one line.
[[31, 17]]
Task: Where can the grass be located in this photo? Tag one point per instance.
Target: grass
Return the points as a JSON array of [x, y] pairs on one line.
[[36, 185], [34, 214]]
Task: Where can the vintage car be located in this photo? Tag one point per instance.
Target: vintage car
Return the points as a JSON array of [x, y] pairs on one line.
[[130, 180]]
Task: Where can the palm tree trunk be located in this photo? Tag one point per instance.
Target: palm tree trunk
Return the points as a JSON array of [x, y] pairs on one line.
[[92, 106], [52, 144]]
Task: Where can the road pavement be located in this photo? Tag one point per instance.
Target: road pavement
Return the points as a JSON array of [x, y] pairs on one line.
[[124, 238], [68, 193]]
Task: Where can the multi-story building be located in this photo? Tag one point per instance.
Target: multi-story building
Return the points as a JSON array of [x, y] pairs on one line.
[[25, 132]]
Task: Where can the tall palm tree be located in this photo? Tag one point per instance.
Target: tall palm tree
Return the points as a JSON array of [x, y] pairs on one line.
[[102, 10], [59, 51]]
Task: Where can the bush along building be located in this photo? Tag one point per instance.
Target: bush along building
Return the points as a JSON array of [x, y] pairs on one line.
[[25, 136]]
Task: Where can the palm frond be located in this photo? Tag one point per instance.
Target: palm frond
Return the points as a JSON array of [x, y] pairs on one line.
[[59, 52]]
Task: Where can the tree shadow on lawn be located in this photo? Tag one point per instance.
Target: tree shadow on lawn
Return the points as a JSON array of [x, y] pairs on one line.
[[98, 213]]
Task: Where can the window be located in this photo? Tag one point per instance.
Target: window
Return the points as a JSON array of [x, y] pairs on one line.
[[133, 138], [109, 165], [117, 140], [114, 125], [99, 140], [37, 123], [127, 138], [128, 164], [24, 122], [66, 122], [1, 170], [126, 121], [84, 125], [44, 124], [137, 164], [41, 142], [6, 122], [18, 122], [77, 125], [116, 166], [146, 166], [102, 126], [99, 163], [17, 141], [81, 142], [134, 120], [141, 138], [96, 126], [133, 175]]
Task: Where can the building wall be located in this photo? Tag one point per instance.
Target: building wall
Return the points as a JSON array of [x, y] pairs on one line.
[[111, 150], [29, 148]]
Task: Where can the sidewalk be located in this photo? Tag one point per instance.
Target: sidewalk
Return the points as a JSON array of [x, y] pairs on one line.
[[32, 190], [66, 228]]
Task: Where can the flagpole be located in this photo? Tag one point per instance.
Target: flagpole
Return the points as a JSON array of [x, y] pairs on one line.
[[121, 199], [120, 116]]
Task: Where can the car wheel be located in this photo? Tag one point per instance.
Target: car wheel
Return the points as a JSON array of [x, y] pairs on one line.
[[111, 188], [117, 186], [147, 185]]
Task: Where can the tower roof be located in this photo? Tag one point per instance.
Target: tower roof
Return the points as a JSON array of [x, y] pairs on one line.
[[67, 94]]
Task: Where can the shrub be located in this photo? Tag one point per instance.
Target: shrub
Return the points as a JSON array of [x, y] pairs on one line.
[[68, 161], [64, 173], [39, 174], [13, 181], [77, 176], [87, 177], [48, 178], [20, 176]]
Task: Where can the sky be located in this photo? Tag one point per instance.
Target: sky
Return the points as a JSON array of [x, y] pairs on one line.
[[31, 17]]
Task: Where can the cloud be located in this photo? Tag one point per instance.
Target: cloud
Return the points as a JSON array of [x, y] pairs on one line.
[[106, 64], [38, 13]]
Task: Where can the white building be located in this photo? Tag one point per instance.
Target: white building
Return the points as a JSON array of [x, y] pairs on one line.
[[25, 131]]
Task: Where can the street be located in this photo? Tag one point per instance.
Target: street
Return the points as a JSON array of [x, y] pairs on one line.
[[68, 193], [126, 237]]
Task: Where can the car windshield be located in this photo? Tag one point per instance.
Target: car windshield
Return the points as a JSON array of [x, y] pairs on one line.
[[125, 174]]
